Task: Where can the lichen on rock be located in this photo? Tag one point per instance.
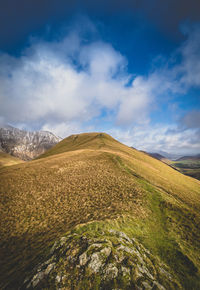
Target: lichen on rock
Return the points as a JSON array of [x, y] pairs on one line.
[[91, 261]]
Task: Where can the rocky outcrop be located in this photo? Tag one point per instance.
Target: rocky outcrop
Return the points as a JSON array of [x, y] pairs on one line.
[[25, 145], [108, 260]]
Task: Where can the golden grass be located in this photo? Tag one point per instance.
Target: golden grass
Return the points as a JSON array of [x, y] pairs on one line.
[[158, 173], [63, 191], [8, 160]]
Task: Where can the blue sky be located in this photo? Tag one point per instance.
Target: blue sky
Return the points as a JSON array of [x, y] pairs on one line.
[[129, 68]]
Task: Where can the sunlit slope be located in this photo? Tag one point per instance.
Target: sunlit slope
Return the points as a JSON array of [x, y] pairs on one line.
[[8, 160], [139, 163], [93, 141], [92, 177]]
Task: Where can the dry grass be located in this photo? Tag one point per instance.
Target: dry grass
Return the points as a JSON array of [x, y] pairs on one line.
[[85, 178], [63, 191], [8, 160]]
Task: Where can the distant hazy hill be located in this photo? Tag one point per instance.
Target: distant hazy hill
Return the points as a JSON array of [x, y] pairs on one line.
[[167, 155], [25, 145], [189, 165], [194, 157], [92, 213], [157, 156]]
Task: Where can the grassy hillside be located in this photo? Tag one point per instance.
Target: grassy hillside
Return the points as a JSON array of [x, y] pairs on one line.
[[8, 160], [92, 188], [84, 141]]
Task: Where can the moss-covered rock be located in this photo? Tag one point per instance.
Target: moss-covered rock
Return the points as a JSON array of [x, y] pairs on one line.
[[106, 260]]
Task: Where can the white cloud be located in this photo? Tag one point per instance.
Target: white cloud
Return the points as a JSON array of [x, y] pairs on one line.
[[64, 85], [45, 87], [160, 138], [62, 129]]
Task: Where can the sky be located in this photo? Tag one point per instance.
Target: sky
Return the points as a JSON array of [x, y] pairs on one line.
[[128, 68]]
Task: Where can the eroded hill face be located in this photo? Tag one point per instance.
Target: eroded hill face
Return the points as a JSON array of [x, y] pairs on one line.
[[96, 178], [25, 145]]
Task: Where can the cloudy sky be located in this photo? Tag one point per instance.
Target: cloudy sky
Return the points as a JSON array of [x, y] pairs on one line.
[[128, 68]]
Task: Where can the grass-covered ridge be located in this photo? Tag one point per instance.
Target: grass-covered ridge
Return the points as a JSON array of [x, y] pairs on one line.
[[82, 141], [96, 178]]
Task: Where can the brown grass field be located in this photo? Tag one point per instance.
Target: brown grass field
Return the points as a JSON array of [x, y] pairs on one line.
[[92, 177]]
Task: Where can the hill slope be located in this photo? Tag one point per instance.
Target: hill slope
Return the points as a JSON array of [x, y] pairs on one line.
[[92, 213], [8, 160], [93, 141]]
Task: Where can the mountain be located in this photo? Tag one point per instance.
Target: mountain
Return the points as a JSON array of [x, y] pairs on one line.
[[157, 156], [92, 213], [167, 155], [25, 145], [189, 165], [194, 157]]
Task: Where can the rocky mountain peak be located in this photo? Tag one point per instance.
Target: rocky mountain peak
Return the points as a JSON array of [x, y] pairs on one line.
[[26, 145]]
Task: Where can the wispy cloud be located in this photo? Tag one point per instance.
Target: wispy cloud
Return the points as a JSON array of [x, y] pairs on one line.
[[160, 138]]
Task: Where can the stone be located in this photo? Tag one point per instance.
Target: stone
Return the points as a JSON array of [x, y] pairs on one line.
[[158, 285], [146, 286], [58, 278], [125, 271], [49, 268], [144, 270], [106, 251], [101, 260], [63, 241], [111, 271], [83, 259], [95, 262], [37, 278]]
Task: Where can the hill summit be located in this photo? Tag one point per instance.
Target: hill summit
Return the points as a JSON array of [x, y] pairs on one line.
[[95, 141]]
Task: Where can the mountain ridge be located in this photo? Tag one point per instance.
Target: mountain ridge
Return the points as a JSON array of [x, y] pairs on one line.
[[24, 144], [190, 157]]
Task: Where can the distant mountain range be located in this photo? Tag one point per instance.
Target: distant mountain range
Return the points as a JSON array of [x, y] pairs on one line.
[[171, 156], [188, 165], [25, 145], [195, 157], [158, 156]]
